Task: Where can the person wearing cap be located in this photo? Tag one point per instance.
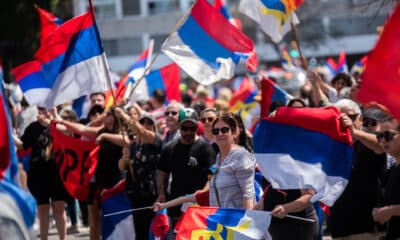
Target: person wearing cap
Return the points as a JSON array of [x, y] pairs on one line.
[[172, 122], [140, 160], [187, 159]]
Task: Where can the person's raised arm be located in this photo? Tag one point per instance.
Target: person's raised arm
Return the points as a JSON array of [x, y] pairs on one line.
[[317, 95], [146, 136], [118, 139], [78, 128]]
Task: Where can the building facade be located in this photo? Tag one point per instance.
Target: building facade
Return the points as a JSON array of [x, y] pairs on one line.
[[326, 27]]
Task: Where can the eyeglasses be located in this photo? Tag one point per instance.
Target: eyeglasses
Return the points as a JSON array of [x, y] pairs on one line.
[[209, 119], [215, 131], [369, 122], [146, 122], [187, 128], [353, 117], [67, 117], [173, 113], [387, 135]]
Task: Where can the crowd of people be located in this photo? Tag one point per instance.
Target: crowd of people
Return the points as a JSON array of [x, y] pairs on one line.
[[198, 151]]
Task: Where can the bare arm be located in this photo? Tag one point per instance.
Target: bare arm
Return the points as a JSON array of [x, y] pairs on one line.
[[78, 128], [146, 136], [368, 139], [18, 143], [115, 138], [123, 162], [317, 94], [297, 205], [162, 179], [248, 203], [385, 213], [157, 206]]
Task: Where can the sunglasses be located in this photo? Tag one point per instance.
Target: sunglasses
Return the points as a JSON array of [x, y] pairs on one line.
[[67, 117], [187, 128], [353, 117], [209, 119], [146, 122], [387, 135], [215, 131], [173, 113], [369, 122]]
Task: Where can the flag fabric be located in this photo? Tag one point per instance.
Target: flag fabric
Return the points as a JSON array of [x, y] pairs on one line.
[[72, 65], [305, 147], [342, 65], [381, 78], [271, 92], [76, 160], [359, 66], [339, 67], [222, 223], [48, 23], [273, 16], [287, 63], [120, 226], [24, 157], [166, 78], [220, 5], [207, 47], [9, 167], [243, 101], [135, 71], [160, 225]]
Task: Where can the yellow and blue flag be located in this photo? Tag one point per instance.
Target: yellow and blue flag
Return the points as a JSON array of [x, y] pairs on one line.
[[222, 223], [273, 16]]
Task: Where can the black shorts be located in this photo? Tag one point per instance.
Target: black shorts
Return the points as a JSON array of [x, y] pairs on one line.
[[44, 182]]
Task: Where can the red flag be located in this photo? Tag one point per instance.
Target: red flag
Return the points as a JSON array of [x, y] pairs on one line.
[[160, 225], [76, 160], [48, 23], [381, 79]]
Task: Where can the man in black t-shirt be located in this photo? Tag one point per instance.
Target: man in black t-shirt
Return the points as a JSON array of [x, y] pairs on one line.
[[187, 159]]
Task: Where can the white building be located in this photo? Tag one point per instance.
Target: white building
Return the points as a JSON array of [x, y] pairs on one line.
[[326, 28]]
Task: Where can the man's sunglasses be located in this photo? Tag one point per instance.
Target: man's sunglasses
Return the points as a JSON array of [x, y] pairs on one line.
[[187, 128], [215, 131], [353, 117], [369, 122], [209, 119], [173, 113], [387, 135]]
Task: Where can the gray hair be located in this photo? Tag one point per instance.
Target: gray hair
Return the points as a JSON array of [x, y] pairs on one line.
[[176, 104], [348, 104]]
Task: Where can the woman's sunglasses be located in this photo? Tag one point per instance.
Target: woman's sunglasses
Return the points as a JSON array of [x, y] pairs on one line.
[[387, 135], [209, 119], [215, 131]]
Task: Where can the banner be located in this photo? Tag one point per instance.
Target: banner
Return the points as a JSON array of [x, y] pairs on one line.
[[76, 161]]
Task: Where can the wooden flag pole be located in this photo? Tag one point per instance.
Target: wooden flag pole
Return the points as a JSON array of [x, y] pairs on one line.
[[302, 58]]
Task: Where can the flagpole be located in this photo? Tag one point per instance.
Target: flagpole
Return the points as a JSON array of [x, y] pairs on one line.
[[108, 80], [294, 32], [126, 211], [181, 20]]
